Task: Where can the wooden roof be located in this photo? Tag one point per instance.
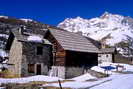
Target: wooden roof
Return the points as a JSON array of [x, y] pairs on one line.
[[73, 41], [15, 33], [18, 35], [108, 50]]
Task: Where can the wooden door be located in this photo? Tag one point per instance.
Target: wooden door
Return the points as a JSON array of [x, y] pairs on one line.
[[38, 69]]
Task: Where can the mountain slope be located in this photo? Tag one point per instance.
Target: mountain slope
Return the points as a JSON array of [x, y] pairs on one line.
[[111, 28]]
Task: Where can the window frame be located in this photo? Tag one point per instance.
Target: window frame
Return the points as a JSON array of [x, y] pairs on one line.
[[39, 50]]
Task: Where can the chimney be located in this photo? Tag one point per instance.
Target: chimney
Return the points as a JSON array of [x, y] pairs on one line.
[[21, 30], [103, 44]]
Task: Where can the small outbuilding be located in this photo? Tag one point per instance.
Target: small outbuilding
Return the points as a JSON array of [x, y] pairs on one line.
[[106, 55]]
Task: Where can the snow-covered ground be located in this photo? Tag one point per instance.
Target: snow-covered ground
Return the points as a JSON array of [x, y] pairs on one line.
[[114, 81], [122, 80], [29, 79]]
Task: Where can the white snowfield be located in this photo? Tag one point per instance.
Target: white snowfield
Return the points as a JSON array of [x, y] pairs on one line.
[[114, 81]]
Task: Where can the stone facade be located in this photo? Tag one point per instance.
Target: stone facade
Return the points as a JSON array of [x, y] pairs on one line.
[[57, 71], [66, 72], [108, 57], [74, 72], [30, 57], [15, 57], [23, 54]]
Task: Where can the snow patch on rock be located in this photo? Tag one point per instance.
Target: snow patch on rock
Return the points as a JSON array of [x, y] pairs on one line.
[[26, 20], [35, 38], [5, 17]]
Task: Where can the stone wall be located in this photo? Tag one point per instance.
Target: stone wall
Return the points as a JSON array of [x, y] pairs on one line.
[[15, 56], [104, 58], [30, 57], [66, 72], [57, 71], [73, 72]]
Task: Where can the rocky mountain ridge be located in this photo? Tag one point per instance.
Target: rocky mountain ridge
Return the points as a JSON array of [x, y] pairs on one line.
[[109, 26]]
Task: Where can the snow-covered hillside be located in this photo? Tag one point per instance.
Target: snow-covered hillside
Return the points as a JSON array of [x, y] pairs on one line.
[[111, 28]]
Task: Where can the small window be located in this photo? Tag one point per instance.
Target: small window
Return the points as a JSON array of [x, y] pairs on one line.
[[39, 50], [31, 68]]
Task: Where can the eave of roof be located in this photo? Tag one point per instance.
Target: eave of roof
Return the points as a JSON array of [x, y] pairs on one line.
[[108, 50]]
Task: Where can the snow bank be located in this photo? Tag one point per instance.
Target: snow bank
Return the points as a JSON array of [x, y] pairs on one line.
[[29, 79], [126, 67], [98, 69], [84, 77], [35, 39]]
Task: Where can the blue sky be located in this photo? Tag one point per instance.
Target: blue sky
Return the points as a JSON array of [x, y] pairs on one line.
[[55, 11]]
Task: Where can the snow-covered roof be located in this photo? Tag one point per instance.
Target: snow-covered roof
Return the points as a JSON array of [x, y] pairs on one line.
[[35, 38]]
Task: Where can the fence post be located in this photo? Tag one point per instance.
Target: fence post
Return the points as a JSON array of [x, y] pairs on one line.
[[60, 84]]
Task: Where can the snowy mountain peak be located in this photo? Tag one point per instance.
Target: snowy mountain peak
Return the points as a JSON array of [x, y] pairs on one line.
[[105, 14], [113, 25]]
